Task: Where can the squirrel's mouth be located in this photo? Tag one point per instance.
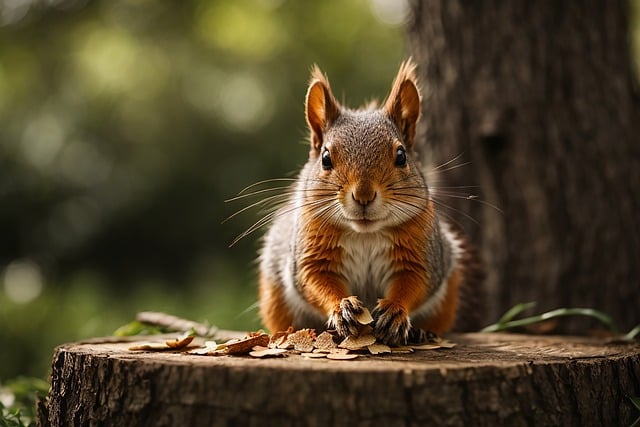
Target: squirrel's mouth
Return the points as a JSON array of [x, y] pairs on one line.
[[364, 225], [364, 219]]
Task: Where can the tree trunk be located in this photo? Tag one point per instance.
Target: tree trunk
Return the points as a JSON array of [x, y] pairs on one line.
[[488, 379], [539, 98]]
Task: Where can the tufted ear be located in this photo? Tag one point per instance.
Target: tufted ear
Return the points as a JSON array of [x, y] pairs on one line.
[[321, 108], [403, 104]]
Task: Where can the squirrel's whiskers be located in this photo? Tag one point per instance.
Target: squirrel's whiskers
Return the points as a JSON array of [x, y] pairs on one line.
[[270, 204], [360, 227], [439, 193]]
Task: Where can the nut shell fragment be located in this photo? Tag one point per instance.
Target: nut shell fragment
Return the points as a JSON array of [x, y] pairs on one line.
[[402, 349], [302, 340], [245, 345], [181, 341], [377, 348], [268, 352], [342, 356], [325, 341], [153, 346], [364, 317], [174, 344], [447, 344], [314, 355], [359, 342], [279, 339], [426, 346]]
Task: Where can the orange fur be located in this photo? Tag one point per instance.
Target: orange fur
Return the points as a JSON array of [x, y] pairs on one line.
[[445, 316], [407, 72], [273, 307], [321, 263], [410, 285], [322, 285], [361, 177], [403, 103], [321, 107]]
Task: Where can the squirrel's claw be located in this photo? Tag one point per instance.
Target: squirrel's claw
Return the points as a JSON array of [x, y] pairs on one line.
[[392, 323], [344, 319], [421, 336]]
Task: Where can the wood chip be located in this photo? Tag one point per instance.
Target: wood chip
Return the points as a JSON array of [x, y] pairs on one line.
[[281, 343], [402, 349], [260, 345], [245, 345], [202, 351], [342, 356], [150, 346], [177, 343], [425, 346], [268, 352], [447, 344], [359, 342], [302, 340], [314, 355], [365, 317], [209, 347], [181, 341], [377, 348], [279, 338], [325, 341]]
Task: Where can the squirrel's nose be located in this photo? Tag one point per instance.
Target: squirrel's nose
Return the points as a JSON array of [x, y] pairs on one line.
[[363, 195]]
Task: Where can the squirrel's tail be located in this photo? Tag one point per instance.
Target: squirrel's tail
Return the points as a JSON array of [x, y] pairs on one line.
[[472, 305]]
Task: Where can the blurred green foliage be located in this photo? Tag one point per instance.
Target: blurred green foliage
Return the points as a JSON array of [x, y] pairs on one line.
[[125, 124], [18, 400]]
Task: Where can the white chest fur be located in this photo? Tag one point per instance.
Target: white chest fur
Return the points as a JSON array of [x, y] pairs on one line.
[[366, 266]]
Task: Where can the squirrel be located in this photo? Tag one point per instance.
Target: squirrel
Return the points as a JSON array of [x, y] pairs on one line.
[[360, 228]]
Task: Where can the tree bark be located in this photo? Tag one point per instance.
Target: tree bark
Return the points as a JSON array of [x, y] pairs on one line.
[[488, 379], [539, 97]]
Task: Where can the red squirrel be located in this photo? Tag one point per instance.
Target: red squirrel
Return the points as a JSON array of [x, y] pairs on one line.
[[360, 228]]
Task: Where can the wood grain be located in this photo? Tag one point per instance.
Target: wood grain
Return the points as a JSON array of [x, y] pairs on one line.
[[538, 104], [488, 379]]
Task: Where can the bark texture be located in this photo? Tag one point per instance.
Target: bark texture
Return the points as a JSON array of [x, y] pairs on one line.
[[487, 380], [539, 97]]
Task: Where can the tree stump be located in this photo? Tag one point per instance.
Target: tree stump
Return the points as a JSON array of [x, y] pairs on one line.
[[487, 379]]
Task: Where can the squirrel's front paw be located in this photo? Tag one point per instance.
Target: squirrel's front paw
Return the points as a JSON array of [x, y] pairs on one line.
[[345, 318], [392, 324]]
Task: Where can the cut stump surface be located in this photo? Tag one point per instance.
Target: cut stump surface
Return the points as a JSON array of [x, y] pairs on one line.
[[488, 379]]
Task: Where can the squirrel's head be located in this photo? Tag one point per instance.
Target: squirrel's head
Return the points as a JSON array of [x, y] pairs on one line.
[[361, 164]]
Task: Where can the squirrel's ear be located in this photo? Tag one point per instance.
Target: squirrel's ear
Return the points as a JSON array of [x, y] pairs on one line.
[[321, 107], [403, 104]]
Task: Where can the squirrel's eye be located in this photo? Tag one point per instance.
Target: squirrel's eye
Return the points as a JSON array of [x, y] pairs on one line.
[[401, 157], [326, 160]]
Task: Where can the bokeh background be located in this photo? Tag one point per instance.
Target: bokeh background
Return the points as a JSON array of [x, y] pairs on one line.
[[124, 127]]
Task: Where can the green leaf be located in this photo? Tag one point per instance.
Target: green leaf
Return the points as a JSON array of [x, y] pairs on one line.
[[516, 310], [636, 402], [24, 391], [560, 312], [138, 328], [632, 334], [605, 319], [12, 417]]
